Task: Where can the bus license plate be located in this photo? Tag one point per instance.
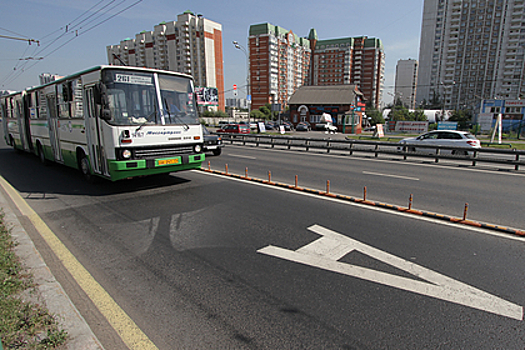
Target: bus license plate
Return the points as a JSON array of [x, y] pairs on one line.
[[168, 161]]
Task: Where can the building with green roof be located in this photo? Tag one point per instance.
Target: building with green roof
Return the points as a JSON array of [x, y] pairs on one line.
[[281, 62]]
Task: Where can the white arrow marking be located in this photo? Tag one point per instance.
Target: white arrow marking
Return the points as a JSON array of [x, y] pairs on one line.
[[332, 246]]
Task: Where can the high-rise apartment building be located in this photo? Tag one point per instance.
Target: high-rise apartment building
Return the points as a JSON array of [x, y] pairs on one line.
[[191, 45], [358, 61], [471, 50], [280, 62], [406, 82]]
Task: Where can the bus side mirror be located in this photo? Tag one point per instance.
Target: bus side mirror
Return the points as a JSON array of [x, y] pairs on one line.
[[97, 94], [105, 114], [100, 95]]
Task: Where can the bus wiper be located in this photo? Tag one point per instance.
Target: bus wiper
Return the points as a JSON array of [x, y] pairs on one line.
[[148, 119], [186, 127]]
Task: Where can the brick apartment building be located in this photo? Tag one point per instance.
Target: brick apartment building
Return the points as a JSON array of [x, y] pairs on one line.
[[281, 62]]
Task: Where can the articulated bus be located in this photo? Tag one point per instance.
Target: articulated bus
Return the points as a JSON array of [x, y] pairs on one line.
[[113, 122]]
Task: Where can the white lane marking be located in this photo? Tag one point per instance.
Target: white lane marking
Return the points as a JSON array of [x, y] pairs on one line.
[[241, 156], [378, 209], [389, 175], [324, 252]]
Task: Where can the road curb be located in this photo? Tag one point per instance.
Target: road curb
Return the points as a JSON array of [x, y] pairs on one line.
[[50, 291], [406, 210]]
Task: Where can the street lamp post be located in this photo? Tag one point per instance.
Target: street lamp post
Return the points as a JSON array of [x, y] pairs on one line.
[[248, 96]]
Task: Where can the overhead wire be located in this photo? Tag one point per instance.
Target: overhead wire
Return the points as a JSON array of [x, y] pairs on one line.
[[69, 29]]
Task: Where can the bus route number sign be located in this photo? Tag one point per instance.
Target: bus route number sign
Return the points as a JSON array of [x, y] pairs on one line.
[[132, 79]]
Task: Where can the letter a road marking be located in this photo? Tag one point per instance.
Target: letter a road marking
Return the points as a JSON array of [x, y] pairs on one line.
[[324, 252]]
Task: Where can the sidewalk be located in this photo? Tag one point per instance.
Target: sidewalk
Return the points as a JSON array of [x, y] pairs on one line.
[[51, 293]]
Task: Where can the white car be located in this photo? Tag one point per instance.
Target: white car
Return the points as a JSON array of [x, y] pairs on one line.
[[448, 138], [326, 126]]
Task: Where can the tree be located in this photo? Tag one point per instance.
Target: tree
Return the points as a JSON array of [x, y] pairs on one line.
[[463, 117], [256, 114], [419, 115], [266, 111], [399, 113], [402, 113], [376, 117]]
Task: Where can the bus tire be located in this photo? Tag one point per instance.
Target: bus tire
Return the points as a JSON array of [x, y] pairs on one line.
[[85, 168], [41, 154], [12, 142]]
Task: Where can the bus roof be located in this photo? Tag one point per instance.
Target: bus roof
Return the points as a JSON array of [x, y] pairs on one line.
[[101, 67]]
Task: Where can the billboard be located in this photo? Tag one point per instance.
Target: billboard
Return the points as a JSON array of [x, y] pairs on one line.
[[207, 96]]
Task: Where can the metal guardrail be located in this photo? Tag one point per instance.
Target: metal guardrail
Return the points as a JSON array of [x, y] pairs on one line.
[[487, 155]]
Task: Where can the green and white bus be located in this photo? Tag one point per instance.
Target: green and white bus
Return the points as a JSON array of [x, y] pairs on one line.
[[113, 122]]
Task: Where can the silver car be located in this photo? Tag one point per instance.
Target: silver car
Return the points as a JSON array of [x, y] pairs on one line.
[[438, 138]]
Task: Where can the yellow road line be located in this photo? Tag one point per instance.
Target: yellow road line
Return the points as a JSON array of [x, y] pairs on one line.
[[128, 331]]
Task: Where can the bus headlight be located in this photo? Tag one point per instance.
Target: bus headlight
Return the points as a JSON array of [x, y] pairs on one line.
[[126, 154], [197, 148]]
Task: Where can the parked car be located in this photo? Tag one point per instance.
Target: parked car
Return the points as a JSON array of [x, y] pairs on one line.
[[449, 138], [235, 129], [325, 126], [303, 126], [287, 126], [223, 123], [212, 143], [269, 125]]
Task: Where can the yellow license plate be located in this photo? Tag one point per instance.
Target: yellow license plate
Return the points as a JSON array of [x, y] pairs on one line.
[[168, 161]]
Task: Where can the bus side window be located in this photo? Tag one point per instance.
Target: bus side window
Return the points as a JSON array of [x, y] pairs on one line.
[[42, 105], [64, 97], [33, 105], [77, 106]]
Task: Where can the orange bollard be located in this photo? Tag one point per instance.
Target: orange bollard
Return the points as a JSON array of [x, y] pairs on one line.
[[364, 194], [465, 212], [410, 202], [226, 166], [296, 181], [246, 172], [327, 186], [209, 165], [269, 176]]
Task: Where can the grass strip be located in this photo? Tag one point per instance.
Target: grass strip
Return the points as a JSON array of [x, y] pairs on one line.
[[24, 323]]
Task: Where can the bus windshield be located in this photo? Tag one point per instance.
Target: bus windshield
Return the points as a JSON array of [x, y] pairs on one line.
[[133, 99]]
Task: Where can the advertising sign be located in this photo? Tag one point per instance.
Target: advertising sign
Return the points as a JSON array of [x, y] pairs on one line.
[[207, 96], [411, 126], [447, 125], [485, 121]]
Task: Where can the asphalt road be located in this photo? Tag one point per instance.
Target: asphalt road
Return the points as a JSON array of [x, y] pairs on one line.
[[492, 195], [201, 261]]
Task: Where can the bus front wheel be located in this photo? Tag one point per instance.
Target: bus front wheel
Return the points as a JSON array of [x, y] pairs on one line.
[[41, 154], [85, 168]]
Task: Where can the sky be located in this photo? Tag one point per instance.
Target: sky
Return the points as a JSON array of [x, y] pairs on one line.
[[72, 35]]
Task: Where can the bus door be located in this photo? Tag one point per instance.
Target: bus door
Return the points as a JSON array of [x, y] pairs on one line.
[[22, 126], [94, 134], [54, 126], [27, 123]]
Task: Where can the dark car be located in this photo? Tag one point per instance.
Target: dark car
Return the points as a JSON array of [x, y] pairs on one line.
[[303, 126], [212, 143], [235, 129], [287, 126], [269, 125]]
